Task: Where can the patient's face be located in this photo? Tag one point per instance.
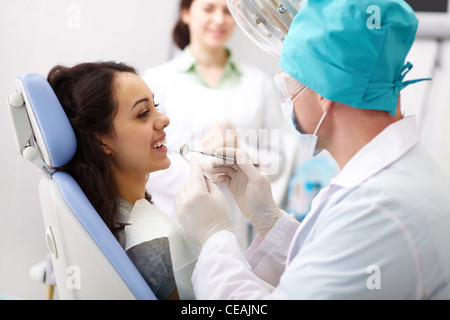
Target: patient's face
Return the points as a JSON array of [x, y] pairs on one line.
[[138, 140]]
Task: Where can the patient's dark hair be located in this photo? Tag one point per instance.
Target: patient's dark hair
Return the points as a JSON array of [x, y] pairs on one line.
[[87, 93]]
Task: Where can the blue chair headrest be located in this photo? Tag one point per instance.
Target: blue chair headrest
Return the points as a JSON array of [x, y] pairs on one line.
[[51, 127]]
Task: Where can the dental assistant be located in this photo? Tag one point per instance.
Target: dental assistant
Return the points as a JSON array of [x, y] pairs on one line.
[[380, 229], [209, 96]]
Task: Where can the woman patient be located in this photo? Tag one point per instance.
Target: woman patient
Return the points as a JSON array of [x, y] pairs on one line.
[[121, 139]]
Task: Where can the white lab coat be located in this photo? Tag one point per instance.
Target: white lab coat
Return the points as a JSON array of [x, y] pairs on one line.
[[380, 230], [193, 109]]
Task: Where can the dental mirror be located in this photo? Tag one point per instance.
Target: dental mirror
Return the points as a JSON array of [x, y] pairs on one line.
[[184, 149]]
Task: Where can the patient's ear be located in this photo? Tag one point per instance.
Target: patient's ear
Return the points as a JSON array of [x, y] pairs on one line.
[[104, 143]]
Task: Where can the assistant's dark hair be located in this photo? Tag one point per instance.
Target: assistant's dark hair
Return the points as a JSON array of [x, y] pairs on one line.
[[87, 93], [180, 34]]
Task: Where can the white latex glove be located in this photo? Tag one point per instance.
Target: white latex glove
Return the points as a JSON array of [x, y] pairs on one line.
[[251, 190], [201, 208]]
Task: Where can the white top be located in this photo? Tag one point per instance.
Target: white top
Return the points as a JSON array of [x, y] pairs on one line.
[[380, 230]]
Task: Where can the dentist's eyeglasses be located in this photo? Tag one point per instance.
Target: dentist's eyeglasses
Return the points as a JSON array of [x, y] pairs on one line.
[[288, 88]]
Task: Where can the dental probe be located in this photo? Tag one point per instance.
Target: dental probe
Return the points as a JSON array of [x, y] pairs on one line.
[[184, 150]]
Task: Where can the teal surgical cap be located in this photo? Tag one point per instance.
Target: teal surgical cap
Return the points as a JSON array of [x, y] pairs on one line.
[[352, 51]]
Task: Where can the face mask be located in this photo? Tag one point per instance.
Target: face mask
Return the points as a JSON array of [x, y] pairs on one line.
[[307, 141]]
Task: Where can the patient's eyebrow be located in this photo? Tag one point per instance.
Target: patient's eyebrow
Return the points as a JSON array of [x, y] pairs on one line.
[[140, 101]]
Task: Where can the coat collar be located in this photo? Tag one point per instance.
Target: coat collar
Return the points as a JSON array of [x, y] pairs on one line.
[[386, 148]]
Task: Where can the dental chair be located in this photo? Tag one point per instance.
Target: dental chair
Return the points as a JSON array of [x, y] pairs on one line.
[[88, 261]]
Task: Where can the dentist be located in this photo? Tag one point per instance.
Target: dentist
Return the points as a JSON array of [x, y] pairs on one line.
[[380, 230]]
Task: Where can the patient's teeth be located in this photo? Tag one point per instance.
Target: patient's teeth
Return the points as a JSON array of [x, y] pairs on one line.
[[160, 144]]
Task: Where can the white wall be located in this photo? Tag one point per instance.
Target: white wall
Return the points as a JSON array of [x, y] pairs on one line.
[[35, 35], [430, 100]]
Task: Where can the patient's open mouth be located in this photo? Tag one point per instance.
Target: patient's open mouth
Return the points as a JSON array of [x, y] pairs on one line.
[[159, 144]]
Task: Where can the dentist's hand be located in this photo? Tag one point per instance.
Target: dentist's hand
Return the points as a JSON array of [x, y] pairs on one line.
[[201, 208], [251, 190]]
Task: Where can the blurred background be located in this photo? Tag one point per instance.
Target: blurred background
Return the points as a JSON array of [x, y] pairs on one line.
[[35, 35]]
